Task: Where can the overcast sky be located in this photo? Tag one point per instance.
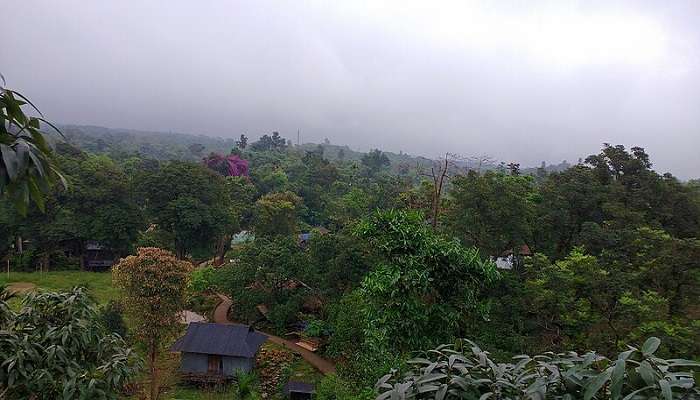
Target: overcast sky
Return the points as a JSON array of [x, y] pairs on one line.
[[522, 81]]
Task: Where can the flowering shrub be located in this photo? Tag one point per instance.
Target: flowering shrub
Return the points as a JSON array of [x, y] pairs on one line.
[[230, 165]]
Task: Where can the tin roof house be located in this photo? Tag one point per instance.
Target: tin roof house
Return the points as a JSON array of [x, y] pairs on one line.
[[511, 258], [213, 352]]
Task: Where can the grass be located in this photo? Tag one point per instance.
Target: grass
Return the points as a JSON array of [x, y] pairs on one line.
[[99, 284], [193, 393]]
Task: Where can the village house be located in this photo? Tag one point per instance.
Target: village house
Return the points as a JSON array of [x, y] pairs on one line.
[[509, 258], [213, 352]]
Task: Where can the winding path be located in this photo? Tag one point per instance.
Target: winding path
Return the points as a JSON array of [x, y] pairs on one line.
[[326, 367]]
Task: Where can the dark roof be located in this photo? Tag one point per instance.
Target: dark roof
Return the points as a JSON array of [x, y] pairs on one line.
[[220, 339], [299, 387], [523, 251]]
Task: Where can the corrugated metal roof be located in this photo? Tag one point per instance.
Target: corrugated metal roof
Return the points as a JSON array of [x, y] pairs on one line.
[[299, 387], [220, 339]]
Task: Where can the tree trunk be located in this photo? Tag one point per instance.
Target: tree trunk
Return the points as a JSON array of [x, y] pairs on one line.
[[221, 249], [45, 262], [153, 355], [179, 251], [81, 254], [20, 248]]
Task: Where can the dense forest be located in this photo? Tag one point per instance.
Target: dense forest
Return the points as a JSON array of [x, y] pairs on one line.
[[380, 256], [612, 249]]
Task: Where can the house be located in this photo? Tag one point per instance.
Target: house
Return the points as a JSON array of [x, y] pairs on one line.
[[98, 257], [509, 258], [304, 237], [217, 351], [299, 390]]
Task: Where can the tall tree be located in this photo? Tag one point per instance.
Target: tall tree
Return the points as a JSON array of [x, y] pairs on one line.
[[242, 142], [375, 161], [492, 211], [277, 214], [425, 287], [154, 285], [190, 202]]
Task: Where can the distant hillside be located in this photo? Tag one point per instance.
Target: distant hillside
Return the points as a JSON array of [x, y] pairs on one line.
[[122, 143], [119, 143]]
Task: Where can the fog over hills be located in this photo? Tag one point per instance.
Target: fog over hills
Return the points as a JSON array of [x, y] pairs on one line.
[[526, 81]]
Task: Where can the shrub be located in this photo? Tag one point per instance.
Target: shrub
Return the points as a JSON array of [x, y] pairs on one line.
[[202, 279], [56, 347], [112, 319], [332, 387], [464, 371]]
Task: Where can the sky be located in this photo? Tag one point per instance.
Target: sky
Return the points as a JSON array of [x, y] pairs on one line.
[[521, 81]]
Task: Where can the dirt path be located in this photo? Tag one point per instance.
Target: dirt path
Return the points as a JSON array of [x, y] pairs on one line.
[[326, 367], [19, 288]]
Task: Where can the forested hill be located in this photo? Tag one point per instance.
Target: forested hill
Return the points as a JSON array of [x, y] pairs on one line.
[[122, 143]]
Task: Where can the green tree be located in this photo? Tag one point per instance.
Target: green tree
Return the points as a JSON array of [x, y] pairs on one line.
[[100, 202], [27, 170], [424, 284], [266, 271], [493, 211], [154, 285], [190, 202], [242, 142], [55, 346], [375, 161], [277, 214]]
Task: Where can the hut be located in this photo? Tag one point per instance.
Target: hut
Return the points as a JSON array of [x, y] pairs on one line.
[[214, 352], [512, 257], [294, 390]]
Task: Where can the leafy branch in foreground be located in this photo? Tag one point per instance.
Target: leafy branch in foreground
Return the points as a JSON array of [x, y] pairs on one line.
[[26, 168], [464, 371], [56, 347]]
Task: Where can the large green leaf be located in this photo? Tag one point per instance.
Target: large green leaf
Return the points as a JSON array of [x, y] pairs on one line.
[[650, 346]]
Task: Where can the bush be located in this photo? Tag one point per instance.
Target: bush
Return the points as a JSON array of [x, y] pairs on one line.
[[316, 328], [56, 347], [464, 371], [202, 279], [113, 320], [332, 387]]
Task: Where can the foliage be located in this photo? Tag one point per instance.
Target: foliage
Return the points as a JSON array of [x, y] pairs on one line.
[[276, 214], [332, 387], [230, 165], [273, 142], [202, 279], [425, 284], [492, 211], [27, 170], [56, 347], [375, 161], [112, 319], [584, 301], [155, 284], [189, 201], [464, 371], [264, 272]]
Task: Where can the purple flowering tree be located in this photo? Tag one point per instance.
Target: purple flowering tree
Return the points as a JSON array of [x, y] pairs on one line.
[[230, 165]]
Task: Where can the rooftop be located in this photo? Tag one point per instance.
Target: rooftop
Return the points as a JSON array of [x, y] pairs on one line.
[[220, 339]]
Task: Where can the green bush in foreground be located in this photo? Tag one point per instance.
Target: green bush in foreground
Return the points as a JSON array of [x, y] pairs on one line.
[[464, 371], [56, 347]]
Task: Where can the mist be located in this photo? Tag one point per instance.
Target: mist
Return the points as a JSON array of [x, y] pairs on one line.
[[523, 82]]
